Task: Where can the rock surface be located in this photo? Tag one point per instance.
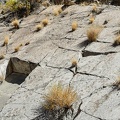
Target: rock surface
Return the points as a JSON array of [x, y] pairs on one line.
[[45, 61]]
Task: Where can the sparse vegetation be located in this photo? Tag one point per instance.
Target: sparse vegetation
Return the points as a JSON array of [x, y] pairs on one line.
[[117, 40], [6, 40], [45, 22], [60, 97], [91, 20], [2, 57], [74, 62], [59, 10], [15, 23], [39, 27], [93, 33], [55, 12], [116, 84], [94, 9], [74, 25], [16, 49]]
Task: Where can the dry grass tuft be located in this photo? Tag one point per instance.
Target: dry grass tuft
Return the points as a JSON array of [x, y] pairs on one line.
[[74, 25], [16, 49], [39, 27], [74, 62], [93, 33], [91, 20], [46, 4], [59, 10], [15, 23], [117, 40], [6, 40], [45, 22], [117, 83], [2, 57], [60, 97], [55, 12], [94, 9]]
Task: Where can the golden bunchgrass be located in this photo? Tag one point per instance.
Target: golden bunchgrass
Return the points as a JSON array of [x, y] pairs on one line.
[[15, 23], [74, 62], [16, 49], [91, 20], [94, 8], [2, 56], [39, 27], [60, 97], [74, 25], [59, 10], [93, 33], [6, 40], [27, 43], [117, 40], [117, 83], [55, 12], [45, 22]]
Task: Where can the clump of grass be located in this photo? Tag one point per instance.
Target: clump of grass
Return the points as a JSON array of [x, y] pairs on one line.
[[46, 4], [16, 49], [74, 25], [94, 8], [2, 57], [59, 10], [117, 40], [55, 12], [60, 97], [45, 22], [91, 20], [39, 27], [116, 84], [6, 40], [93, 33], [15, 23], [74, 62]]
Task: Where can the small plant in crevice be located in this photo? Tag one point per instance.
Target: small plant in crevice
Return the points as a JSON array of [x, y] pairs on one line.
[[74, 25], [16, 49], [15, 23], [59, 10], [6, 40], [94, 8], [74, 65], [116, 84], [117, 41], [46, 4], [60, 97], [93, 33], [2, 56], [91, 19], [39, 27], [55, 12], [45, 22]]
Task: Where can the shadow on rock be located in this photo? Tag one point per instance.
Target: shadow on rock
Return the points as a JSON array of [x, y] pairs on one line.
[[45, 114], [84, 43]]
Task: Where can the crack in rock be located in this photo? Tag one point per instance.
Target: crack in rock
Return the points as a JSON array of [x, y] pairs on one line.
[[86, 53]]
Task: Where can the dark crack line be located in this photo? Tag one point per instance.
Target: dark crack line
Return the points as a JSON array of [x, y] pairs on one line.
[[78, 111], [86, 53], [84, 73], [66, 48], [93, 115]]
